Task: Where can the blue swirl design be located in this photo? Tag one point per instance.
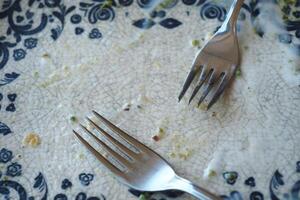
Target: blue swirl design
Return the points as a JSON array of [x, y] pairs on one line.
[[145, 3], [125, 2], [20, 190], [102, 11], [213, 11], [256, 196], [39, 184]]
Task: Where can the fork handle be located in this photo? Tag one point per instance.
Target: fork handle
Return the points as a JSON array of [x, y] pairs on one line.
[[198, 192], [233, 13]]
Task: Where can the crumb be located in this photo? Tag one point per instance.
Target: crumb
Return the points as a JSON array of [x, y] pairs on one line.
[[203, 106], [73, 119], [32, 140], [195, 43], [126, 107], [81, 156], [46, 55], [246, 47], [238, 72], [155, 138], [36, 74], [214, 114], [172, 155], [185, 155], [19, 156]]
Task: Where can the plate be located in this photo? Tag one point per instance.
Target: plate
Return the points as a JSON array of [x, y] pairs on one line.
[[128, 60]]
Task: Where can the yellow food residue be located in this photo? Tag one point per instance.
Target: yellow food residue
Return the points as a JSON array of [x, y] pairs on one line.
[[32, 140]]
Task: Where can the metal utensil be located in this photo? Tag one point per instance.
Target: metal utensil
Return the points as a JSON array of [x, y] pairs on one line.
[[217, 60], [142, 169]]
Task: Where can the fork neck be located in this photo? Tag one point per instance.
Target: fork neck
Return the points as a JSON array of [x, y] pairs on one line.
[[187, 186], [233, 14]]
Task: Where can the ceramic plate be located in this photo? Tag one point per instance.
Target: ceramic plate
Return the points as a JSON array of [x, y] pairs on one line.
[[128, 59]]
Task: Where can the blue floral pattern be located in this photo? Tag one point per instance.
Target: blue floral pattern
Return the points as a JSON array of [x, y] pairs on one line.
[[14, 169], [19, 54], [30, 43], [5, 155], [20, 38], [86, 179]]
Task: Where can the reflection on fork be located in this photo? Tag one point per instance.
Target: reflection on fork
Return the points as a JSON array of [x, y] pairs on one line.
[[217, 61], [134, 164]]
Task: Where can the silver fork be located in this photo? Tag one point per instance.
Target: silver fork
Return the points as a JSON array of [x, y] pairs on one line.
[[142, 170], [217, 60]]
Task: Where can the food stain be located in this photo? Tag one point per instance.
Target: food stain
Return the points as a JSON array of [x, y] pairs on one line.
[[32, 140]]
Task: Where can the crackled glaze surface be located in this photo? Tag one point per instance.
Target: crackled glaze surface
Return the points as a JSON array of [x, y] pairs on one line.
[[64, 58]]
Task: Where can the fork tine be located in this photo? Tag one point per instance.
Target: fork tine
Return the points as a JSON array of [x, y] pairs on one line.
[[202, 79], [219, 91], [208, 87], [124, 135], [101, 158], [121, 133], [117, 156], [188, 81], [127, 151]]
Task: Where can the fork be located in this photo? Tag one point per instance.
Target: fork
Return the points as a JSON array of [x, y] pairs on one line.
[[217, 60], [142, 169]]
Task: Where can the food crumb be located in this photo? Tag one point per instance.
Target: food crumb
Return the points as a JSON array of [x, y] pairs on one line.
[[46, 55], [155, 138], [126, 107], [19, 156], [195, 43], [238, 72], [32, 140], [73, 119], [209, 173], [246, 47], [214, 114], [36, 74], [81, 156], [160, 134], [203, 106]]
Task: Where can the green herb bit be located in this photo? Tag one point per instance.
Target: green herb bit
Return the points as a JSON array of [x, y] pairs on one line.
[[165, 3], [195, 43], [73, 118], [238, 72], [144, 196]]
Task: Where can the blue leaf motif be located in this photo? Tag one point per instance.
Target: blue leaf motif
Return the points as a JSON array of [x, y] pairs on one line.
[[8, 78], [144, 23], [40, 183], [275, 182], [4, 129], [170, 23]]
